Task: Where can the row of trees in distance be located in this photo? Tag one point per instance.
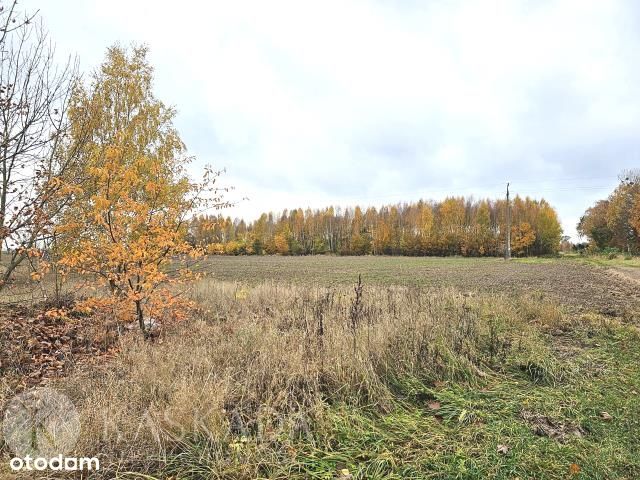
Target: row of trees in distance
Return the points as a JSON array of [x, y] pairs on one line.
[[454, 226]]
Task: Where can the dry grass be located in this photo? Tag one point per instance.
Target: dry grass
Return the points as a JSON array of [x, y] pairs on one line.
[[281, 381], [289, 380], [575, 283], [266, 363]]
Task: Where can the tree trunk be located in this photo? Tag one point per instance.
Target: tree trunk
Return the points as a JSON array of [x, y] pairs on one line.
[[140, 316]]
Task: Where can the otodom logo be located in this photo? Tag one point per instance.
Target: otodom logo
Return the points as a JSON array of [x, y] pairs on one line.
[[41, 426]]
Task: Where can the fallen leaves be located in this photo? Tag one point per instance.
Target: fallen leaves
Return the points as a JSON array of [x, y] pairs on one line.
[[435, 405], [344, 474], [39, 346], [574, 469], [503, 449], [606, 416]]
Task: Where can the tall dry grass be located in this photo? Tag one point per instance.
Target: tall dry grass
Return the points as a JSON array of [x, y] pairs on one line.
[[264, 364]]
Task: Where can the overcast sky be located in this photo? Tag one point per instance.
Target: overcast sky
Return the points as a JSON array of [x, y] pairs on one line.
[[374, 102]]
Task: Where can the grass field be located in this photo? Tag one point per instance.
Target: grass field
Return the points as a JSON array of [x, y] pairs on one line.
[[440, 368], [586, 284]]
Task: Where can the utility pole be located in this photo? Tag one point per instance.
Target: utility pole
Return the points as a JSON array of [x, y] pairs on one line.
[[507, 250]]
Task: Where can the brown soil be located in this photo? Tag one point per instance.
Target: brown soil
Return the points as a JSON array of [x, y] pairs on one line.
[[578, 286]]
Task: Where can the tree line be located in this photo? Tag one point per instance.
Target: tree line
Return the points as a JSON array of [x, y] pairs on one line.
[[614, 222], [454, 226]]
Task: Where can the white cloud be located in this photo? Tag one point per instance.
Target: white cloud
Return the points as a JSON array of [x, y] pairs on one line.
[[311, 103]]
